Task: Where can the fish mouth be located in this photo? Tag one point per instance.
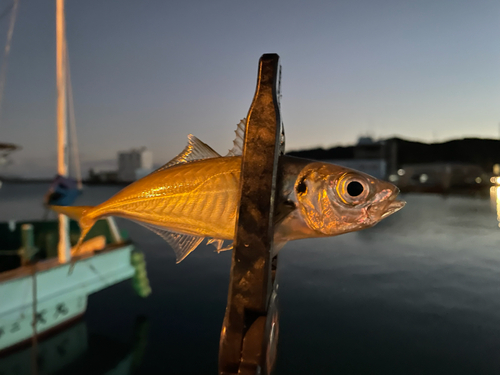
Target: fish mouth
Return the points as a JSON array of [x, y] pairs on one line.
[[393, 207]]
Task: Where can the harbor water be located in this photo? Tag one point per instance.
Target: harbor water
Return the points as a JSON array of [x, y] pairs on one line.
[[417, 294]]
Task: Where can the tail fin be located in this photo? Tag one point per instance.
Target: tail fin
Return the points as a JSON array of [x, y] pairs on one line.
[[81, 214], [73, 212]]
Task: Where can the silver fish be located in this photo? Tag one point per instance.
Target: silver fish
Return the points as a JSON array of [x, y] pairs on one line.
[[196, 194]]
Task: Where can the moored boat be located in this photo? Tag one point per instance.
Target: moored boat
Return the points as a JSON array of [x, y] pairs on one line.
[[43, 283], [39, 293]]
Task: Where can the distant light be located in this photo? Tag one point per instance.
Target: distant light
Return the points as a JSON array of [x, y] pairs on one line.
[[493, 180], [401, 172], [423, 178], [496, 169], [478, 180], [393, 178], [498, 180]]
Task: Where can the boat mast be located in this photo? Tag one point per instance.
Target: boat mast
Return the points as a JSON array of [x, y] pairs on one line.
[[64, 250], [72, 122]]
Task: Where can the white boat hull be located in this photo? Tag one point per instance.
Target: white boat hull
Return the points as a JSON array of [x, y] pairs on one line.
[[60, 296]]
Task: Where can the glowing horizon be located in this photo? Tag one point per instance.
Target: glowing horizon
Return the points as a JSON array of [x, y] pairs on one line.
[[150, 74]]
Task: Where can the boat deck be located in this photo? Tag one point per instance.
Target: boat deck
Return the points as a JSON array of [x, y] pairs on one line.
[[47, 264]]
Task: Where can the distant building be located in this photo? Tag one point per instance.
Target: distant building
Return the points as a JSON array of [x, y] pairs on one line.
[[374, 167], [134, 164], [367, 148], [368, 158], [97, 176], [439, 177]]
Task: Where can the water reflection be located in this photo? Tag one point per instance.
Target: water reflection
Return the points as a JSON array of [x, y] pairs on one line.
[[495, 201], [73, 351], [421, 282]]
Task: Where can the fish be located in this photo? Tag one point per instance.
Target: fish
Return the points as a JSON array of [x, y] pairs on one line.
[[195, 196]]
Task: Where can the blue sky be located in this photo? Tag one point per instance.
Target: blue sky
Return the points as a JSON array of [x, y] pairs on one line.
[[147, 73]]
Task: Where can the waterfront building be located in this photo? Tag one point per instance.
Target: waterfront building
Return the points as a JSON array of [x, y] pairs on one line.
[[134, 164], [374, 167], [440, 177]]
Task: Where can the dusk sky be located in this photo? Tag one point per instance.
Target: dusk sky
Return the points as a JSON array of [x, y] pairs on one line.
[[148, 73]]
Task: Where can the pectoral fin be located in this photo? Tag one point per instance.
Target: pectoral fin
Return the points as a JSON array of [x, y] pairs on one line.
[[277, 246], [183, 244]]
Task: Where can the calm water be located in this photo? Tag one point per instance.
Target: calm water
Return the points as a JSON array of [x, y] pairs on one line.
[[417, 294]]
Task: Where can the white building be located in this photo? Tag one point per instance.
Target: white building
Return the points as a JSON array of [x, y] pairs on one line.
[[374, 167], [134, 164]]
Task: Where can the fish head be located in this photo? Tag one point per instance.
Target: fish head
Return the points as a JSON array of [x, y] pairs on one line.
[[333, 200]]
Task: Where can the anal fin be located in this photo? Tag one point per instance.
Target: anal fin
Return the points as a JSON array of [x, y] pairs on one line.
[[218, 243], [182, 244]]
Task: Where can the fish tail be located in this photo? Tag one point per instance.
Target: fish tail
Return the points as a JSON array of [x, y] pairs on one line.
[[73, 212], [82, 214]]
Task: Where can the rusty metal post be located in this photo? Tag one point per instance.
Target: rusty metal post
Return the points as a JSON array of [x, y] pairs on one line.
[[244, 343]]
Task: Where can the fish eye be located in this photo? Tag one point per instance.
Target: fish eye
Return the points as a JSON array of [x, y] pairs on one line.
[[301, 187], [354, 188]]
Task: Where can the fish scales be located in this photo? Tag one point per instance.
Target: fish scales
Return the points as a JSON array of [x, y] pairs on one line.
[[197, 194], [192, 198]]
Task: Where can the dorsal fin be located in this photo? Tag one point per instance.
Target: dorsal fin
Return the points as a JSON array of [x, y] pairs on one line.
[[237, 149], [195, 150], [183, 244]]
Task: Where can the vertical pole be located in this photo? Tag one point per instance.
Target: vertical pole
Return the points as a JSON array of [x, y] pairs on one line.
[[64, 250], [113, 228], [34, 338], [249, 313]]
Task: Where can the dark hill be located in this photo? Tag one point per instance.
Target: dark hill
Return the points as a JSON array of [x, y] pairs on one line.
[[322, 154], [483, 152]]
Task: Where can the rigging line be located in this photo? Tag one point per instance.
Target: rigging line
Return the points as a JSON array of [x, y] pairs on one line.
[[72, 120], [3, 68], [6, 11], [34, 338], [103, 279]]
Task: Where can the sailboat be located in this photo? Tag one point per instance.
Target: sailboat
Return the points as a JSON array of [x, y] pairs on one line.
[[38, 293], [7, 148], [64, 189]]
